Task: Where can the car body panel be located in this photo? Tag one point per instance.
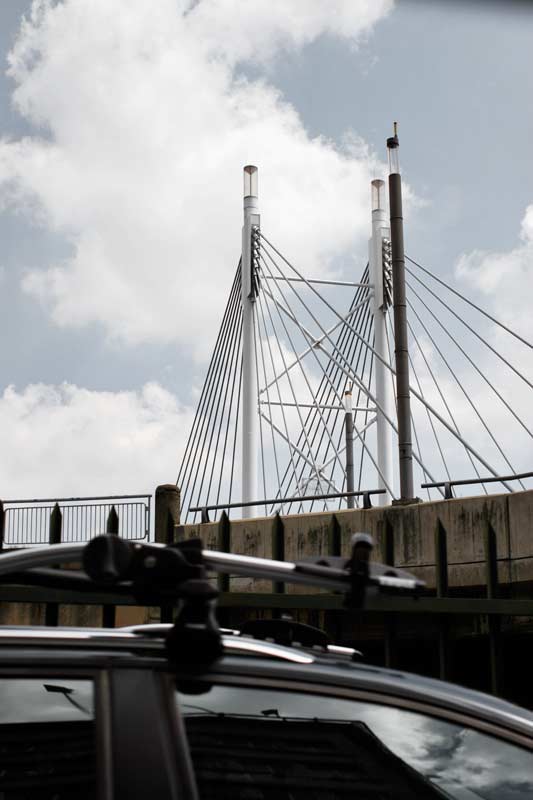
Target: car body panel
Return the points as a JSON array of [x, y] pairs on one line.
[[247, 657]]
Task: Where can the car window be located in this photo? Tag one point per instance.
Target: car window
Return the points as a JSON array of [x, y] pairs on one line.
[[256, 743], [47, 739]]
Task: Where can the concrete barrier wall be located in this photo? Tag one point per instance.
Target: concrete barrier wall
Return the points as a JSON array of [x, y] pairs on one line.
[[413, 532], [465, 521]]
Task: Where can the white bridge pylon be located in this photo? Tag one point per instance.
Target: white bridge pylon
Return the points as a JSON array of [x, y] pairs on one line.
[[249, 277], [381, 278], [299, 397], [308, 473]]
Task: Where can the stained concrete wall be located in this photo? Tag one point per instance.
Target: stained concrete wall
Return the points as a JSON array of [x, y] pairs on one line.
[[465, 521]]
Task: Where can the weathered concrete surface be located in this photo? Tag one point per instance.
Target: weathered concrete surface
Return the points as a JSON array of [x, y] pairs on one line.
[[303, 539], [465, 521], [22, 613], [167, 512], [79, 616], [520, 507]]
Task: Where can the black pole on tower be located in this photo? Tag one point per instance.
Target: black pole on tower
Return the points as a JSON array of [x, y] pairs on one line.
[[401, 351]]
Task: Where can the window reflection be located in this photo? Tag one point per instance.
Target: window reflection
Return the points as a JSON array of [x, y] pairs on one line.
[[47, 739], [45, 699], [294, 745]]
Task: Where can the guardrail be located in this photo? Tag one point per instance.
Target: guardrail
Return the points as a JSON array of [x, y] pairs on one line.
[[280, 501], [74, 519], [448, 494]]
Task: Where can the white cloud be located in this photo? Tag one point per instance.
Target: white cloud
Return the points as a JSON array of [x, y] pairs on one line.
[[146, 124], [65, 440], [273, 25], [505, 279]]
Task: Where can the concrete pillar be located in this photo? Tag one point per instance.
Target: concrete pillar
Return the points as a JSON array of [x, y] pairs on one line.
[[167, 512]]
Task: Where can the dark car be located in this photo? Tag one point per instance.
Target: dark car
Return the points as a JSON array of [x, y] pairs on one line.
[[124, 714], [99, 714]]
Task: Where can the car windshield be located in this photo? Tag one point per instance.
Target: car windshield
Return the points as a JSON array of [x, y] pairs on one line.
[[256, 743]]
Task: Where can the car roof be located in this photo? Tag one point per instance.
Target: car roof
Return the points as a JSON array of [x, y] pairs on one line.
[[249, 657]]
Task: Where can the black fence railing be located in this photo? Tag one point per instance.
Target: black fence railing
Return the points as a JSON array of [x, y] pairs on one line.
[[448, 493], [280, 501], [74, 519]]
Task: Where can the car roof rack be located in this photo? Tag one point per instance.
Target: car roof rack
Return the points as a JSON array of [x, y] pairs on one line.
[[178, 575]]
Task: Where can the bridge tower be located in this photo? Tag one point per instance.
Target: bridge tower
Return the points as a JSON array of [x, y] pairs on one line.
[[249, 287], [380, 278]]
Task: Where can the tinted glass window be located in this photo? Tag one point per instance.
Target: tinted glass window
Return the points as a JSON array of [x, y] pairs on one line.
[[263, 744], [47, 739]]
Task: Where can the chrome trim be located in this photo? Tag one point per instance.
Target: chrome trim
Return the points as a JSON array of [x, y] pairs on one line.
[[337, 650], [268, 569], [226, 563], [147, 629], [80, 634], [160, 628], [393, 582], [19, 560], [129, 636], [267, 649]]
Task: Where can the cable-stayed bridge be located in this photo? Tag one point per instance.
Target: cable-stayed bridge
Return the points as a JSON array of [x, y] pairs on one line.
[[320, 387]]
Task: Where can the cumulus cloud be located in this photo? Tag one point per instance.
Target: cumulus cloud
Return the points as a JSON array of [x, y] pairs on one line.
[[146, 120], [65, 440], [505, 278], [275, 25]]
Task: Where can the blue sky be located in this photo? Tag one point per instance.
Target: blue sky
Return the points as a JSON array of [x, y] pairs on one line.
[[123, 135]]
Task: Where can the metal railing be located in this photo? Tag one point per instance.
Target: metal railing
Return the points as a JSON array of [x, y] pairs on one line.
[[280, 501], [31, 522], [448, 494]]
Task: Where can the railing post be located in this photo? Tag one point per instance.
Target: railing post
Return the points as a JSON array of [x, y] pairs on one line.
[[278, 549], [441, 583], [112, 521], [493, 621], [51, 614], [56, 522], [348, 429], [167, 512], [224, 546], [109, 612], [334, 543], [2, 521], [390, 619], [388, 542], [491, 562], [166, 518]]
